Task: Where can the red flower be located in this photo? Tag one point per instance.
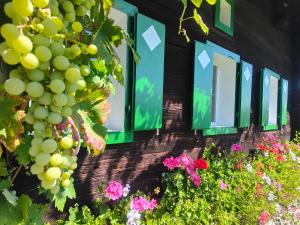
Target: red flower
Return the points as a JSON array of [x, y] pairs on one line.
[[262, 147], [263, 217], [200, 164], [240, 165], [279, 158]]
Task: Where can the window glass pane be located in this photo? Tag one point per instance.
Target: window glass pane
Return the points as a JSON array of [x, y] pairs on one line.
[[116, 119], [273, 103], [225, 13], [224, 89]]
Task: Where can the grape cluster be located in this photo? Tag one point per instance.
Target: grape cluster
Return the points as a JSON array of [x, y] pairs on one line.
[[42, 42]]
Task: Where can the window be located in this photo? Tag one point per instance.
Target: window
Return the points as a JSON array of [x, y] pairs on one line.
[[138, 104], [221, 91], [274, 96], [224, 16]]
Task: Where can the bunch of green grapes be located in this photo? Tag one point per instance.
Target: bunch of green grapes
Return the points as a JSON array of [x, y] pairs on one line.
[[42, 42]]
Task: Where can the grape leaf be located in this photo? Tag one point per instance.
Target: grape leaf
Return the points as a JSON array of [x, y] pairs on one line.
[[22, 151], [200, 22], [4, 183], [61, 197], [3, 169], [211, 2], [197, 3], [11, 121]]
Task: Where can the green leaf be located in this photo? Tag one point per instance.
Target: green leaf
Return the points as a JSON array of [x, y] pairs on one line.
[[197, 3], [211, 2], [10, 197], [22, 151], [200, 22], [3, 169], [4, 184], [184, 2], [24, 202], [61, 197]]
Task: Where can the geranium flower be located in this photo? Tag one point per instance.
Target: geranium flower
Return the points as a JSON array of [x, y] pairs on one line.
[[223, 186], [262, 147], [133, 218], [171, 163], [140, 204], [114, 190], [126, 190], [186, 161], [271, 196], [249, 168], [236, 148], [263, 218], [200, 164], [195, 179]]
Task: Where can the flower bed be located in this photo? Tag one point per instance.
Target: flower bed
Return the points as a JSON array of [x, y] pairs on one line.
[[230, 187]]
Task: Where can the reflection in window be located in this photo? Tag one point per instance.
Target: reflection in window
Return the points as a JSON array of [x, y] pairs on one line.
[[273, 100], [225, 13], [224, 84]]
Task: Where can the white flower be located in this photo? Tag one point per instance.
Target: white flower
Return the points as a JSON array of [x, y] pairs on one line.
[[298, 160], [271, 196], [278, 207], [298, 189], [126, 190], [133, 218], [266, 154], [249, 168], [267, 179], [294, 158]]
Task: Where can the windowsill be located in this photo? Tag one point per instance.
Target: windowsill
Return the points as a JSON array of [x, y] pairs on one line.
[[119, 137], [219, 131], [270, 127]]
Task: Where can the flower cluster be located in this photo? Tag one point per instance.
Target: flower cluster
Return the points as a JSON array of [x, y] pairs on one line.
[[236, 148], [187, 163], [263, 218], [140, 204], [271, 144], [115, 190]]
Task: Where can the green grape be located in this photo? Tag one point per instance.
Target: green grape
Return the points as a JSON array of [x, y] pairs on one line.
[[75, 51], [85, 70], [81, 11], [70, 17], [29, 61], [73, 166], [71, 100], [92, 49], [66, 142], [77, 27], [36, 142], [48, 131], [68, 6], [55, 108], [71, 87], [54, 10], [15, 74], [23, 7], [84, 49], [65, 175], [42, 159], [42, 176], [43, 53], [53, 173], [36, 169], [33, 106], [54, 118], [29, 118], [72, 75], [87, 5], [60, 99], [56, 159], [50, 28], [57, 86], [44, 65], [48, 184], [55, 190], [56, 75], [3, 47], [65, 162], [11, 57], [40, 3], [38, 27], [65, 183], [33, 151], [81, 84], [61, 62], [9, 10], [39, 125], [22, 44], [59, 23], [57, 48], [41, 112], [36, 75], [35, 89], [45, 99], [49, 145], [14, 86], [40, 39], [93, 2], [66, 111], [10, 31]]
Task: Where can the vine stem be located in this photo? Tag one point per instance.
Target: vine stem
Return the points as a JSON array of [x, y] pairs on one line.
[[181, 19], [16, 174]]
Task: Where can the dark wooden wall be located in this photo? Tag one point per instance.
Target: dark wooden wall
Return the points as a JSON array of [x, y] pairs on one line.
[[256, 40]]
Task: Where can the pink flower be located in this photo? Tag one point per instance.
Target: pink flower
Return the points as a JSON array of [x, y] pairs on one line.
[[114, 190], [263, 217], [195, 178], [236, 148], [140, 204], [171, 163], [186, 161], [223, 186]]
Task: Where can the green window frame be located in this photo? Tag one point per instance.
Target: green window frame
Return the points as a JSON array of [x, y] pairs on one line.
[[203, 90], [218, 23], [144, 83], [282, 93]]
